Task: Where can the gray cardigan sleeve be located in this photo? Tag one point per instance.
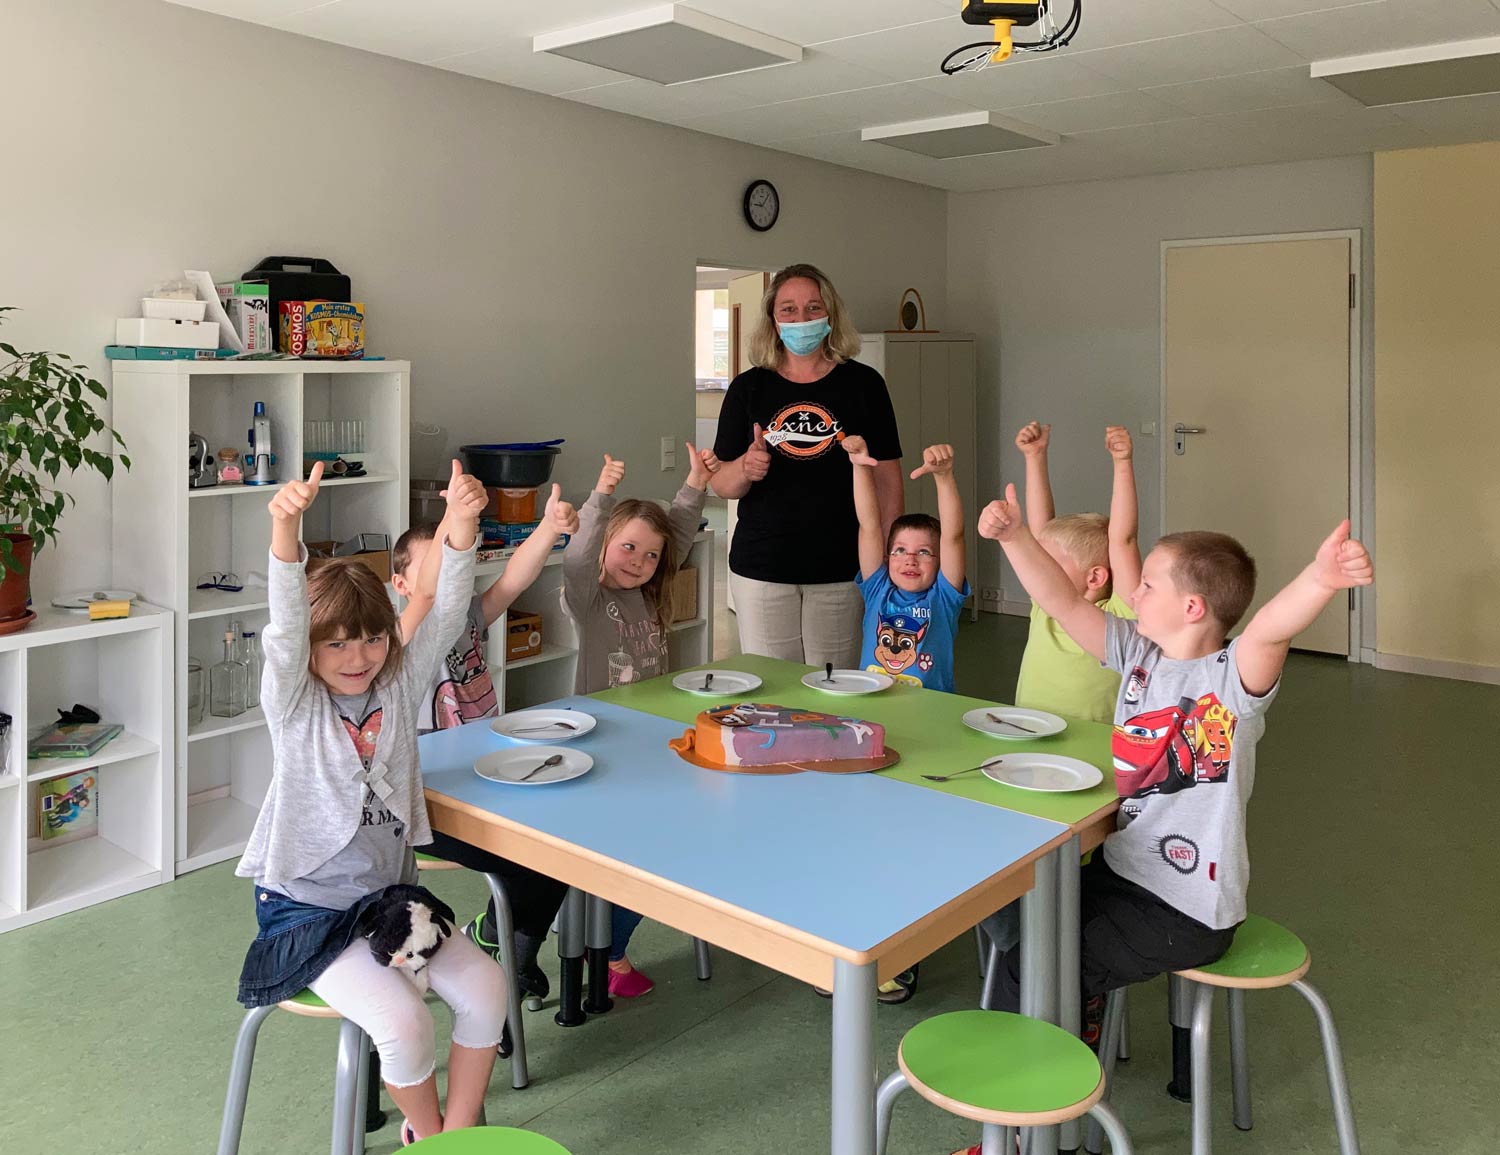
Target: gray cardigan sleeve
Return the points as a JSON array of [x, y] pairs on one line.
[[442, 626], [581, 556], [285, 641]]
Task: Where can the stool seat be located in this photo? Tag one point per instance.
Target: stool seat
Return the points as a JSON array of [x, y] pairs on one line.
[[1263, 955], [430, 862], [996, 1067], [489, 1141], [307, 1004]]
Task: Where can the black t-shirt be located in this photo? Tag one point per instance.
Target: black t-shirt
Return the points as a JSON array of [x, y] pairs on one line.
[[798, 526]]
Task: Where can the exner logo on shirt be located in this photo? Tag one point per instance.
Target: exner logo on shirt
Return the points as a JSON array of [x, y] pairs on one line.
[[804, 430]]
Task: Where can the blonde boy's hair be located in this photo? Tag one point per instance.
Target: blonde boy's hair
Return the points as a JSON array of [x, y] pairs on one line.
[[1083, 536], [346, 600], [842, 342], [1217, 568]]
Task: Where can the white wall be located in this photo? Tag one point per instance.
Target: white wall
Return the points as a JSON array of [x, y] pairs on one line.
[[533, 258], [1062, 286]]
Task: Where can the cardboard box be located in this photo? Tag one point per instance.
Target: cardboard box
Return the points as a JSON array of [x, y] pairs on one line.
[[248, 304], [523, 635], [320, 553], [322, 328], [685, 594]]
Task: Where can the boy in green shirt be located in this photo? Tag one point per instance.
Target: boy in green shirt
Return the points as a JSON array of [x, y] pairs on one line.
[[1102, 559]]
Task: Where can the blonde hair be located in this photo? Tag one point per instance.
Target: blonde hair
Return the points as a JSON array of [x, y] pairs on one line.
[[842, 342], [1215, 567], [1083, 536], [656, 591], [346, 600]]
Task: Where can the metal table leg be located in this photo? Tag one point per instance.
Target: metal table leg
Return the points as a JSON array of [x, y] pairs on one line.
[[597, 939], [853, 1059], [570, 954], [1039, 968], [1069, 942]]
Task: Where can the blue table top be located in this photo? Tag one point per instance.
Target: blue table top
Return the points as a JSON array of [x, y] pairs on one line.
[[848, 858]]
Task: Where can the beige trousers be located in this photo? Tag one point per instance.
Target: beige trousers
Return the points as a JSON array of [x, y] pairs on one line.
[[814, 624]]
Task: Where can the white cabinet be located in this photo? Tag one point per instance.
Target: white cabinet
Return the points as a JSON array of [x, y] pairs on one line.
[[168, 538], [123, 668], [931, 378]]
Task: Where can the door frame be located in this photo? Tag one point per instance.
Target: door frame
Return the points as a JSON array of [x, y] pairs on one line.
[[1358, 465]]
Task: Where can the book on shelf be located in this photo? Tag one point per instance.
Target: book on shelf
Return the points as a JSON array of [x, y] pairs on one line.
[[67, 807], [72, 739]]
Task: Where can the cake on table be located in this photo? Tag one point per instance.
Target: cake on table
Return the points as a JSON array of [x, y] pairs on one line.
[[752, 734]]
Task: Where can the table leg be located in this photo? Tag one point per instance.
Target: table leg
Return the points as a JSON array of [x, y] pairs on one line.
[[853, 1059], [1039, 969], [597, 938], [570, 955], [1069, 967]]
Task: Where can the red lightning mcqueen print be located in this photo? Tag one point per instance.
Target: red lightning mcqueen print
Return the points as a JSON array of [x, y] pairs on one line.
[[1164, 751]]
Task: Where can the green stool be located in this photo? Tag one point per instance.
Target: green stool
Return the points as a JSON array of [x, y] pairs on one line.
[[350, 1083], [1263, 955], [488, 1141], [1002, 1070]]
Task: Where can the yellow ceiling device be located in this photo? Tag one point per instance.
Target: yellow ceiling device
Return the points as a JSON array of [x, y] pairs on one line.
[[1003, 17]]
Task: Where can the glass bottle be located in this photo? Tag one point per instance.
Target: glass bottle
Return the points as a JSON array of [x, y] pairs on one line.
[[195, 691], [250, 655], [228, 683]]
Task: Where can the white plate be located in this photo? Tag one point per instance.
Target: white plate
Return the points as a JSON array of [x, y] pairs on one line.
[[1039, 722], [848, 682], [543, 725], [725, 683], [1050, 773], [509, 766], [80, 600]]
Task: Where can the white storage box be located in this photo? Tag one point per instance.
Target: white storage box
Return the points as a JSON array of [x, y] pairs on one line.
[[164, 332], [172, 309]]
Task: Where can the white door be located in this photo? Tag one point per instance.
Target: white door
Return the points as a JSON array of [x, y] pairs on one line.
[[1256, 369]]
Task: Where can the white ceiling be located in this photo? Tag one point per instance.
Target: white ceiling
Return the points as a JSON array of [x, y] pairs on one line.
[[1147, 85]]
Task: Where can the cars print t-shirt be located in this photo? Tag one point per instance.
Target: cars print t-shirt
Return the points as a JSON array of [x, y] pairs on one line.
[[1184, 759], [910, 635], [798, 525]]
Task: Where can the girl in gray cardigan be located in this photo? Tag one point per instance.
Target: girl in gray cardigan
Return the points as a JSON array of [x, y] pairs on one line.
[[345, 807], [615, 574]]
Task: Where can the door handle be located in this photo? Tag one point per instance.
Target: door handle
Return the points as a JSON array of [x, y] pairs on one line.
[[1179, 435]]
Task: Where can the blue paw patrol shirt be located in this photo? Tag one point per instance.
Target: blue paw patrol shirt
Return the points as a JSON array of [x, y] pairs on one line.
[[910, 635]]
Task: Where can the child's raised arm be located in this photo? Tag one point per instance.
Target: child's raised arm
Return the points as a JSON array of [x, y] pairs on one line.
[[525, 565], [285, 639], [866, 507], [437, 631], [581, 558], [1124, 518], [1043, 578], [424, 589], [288, 505], [1032, 441], [1341, 564], [687, 507], [938, 461]]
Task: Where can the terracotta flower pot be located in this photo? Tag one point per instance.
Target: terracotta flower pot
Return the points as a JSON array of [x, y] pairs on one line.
[[15, 588]]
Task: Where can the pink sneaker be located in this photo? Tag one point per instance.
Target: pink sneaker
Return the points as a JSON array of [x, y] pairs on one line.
[[630, 985]]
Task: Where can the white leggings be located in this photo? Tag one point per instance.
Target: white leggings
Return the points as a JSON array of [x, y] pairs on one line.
[[389, 1008], [814, 624]]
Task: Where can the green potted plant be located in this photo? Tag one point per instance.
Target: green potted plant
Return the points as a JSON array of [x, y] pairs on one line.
[[48, 423]]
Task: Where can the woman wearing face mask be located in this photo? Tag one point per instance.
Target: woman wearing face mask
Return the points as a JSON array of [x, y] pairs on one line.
[[795, 551]]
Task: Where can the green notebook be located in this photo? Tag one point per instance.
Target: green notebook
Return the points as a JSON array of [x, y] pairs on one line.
[[72, 740]]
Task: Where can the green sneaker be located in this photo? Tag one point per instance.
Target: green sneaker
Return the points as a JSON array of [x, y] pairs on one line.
[[532, 979]]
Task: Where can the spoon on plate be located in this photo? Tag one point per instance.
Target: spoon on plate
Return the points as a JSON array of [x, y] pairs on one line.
[[552, 761], [956, 773]]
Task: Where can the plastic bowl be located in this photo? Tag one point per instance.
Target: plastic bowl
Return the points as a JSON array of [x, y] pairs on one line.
[[518, 466]]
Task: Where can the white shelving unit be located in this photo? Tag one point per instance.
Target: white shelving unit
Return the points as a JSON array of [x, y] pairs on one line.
[[167, 536], [123, 667]]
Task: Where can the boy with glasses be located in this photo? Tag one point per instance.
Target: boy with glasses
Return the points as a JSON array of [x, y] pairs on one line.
[[912, 579]]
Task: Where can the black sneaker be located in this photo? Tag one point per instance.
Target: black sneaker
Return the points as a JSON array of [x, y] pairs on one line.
[[531, 979]]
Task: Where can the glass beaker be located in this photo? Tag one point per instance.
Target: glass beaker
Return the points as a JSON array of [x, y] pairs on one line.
[[195, 692]]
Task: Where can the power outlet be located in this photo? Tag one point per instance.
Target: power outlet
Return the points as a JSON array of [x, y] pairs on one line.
[[989, 594], [668, 454]]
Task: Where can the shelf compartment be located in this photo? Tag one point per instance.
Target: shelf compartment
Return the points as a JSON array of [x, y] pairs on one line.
[[217, 830], [118, 749], [76, 871], [213, 727], [549, 653]]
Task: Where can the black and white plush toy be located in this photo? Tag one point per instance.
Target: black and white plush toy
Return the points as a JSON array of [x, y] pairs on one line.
[[405, 928]]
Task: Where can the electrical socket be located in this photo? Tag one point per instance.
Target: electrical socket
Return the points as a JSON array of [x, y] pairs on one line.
[[668, 454], [989, 594]]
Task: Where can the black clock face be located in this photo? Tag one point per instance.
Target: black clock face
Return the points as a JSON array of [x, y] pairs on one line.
[[762, 205]]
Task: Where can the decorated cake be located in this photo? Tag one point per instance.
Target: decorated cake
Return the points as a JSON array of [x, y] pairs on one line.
[[751, 734]]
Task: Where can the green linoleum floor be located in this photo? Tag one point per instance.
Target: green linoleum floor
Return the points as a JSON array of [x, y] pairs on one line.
[[1371, 834]]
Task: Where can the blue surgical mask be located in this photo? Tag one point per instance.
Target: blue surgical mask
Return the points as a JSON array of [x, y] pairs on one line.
[[803, 337]]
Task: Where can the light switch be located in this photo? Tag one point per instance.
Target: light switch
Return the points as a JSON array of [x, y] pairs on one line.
[[668, 454], [1148, 428]]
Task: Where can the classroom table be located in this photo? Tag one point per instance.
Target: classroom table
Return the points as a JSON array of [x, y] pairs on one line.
[[839, 880], [926, 727]]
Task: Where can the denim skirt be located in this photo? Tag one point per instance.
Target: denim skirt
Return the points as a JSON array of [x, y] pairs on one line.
[[296, 943]]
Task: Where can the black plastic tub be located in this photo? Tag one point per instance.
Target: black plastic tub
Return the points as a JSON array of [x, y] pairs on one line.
[[518, 465]]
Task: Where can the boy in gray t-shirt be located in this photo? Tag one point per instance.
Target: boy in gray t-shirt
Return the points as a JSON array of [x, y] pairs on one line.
[[1169, 889]]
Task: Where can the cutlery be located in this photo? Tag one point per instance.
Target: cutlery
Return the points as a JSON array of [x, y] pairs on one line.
[[552, 761], [1008, 722], [708, 681], [828, 673], [956, 773], [548, 726]]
